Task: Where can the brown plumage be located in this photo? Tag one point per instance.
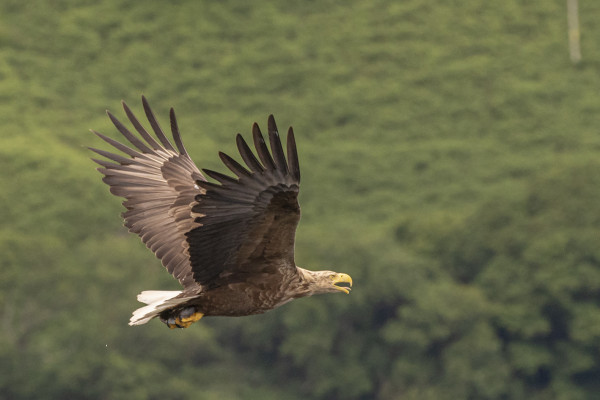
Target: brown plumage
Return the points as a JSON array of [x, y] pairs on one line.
[[230, 243]]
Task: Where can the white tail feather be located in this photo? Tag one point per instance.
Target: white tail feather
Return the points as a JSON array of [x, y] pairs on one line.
[[153, 296], [157, 301]]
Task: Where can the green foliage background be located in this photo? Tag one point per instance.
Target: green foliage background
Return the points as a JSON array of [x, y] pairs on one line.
[[450, 157]]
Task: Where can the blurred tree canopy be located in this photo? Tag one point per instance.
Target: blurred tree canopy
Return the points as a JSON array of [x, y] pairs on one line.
[[450, 165]]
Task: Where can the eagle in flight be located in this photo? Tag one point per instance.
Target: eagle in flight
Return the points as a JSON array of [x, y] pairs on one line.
[[229, 243]]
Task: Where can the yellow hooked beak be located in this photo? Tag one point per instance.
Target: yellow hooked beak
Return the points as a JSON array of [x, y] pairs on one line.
[[344, 280]]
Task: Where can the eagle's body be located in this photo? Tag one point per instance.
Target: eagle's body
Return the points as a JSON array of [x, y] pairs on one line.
[[246, 298], [231, 243]]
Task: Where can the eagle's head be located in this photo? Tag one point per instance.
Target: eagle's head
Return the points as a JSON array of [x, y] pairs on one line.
[[317, 282]]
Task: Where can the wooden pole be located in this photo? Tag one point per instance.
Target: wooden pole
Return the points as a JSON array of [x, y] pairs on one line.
[[573, 21]]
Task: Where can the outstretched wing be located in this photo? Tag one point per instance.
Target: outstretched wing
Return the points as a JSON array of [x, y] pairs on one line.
[[248, 223], [158, 184]]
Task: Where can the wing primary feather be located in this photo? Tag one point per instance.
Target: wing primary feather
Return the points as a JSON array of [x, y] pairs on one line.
[[155, 126], [128, 135], [119, 146], [276, 147], [292, 155], [111, 156], [247, 154], [261, 148], [175, 132], [104, 163], [234, 166], [222, 178], [138, 127], [214, 187], [216, 199], [221, 192]]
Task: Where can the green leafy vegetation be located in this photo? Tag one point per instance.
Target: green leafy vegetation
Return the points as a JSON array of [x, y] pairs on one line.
[[450, 156]]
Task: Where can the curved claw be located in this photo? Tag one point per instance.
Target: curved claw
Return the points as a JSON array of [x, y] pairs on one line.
[[184, 319]]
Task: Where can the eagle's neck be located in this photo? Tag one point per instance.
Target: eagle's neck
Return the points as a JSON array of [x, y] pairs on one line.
[[307, 283]]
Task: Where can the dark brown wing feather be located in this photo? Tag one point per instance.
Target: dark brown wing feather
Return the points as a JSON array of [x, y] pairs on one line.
[[206, 233], [248, 223], [158, 183]]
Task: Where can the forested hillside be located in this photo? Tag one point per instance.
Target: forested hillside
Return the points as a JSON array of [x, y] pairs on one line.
[[450, 158]]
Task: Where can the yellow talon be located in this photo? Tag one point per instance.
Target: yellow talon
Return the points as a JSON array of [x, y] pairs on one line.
[[184, 318], [185, 322]]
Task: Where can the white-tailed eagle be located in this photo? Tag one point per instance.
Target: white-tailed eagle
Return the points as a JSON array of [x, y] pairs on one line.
[[230, 242]]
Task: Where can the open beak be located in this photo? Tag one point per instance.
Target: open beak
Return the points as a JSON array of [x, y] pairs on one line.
[[342, 282]]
